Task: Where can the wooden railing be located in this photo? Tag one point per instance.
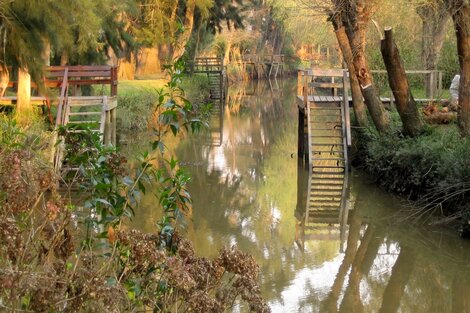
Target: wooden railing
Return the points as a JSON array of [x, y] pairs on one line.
[[433, 80], [82, 76], [78, 76], [306, 88], [207, 65]]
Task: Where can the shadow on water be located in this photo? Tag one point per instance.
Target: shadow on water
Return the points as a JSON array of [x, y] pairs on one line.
[[248, 190]]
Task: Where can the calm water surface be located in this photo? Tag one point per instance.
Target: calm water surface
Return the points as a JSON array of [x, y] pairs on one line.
[[245, 191]]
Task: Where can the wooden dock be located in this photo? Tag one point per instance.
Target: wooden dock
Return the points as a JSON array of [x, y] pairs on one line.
[[263, 65], [215, 70], [332, 97]]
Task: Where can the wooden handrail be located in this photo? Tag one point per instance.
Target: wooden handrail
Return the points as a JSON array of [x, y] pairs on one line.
[[346, 108], [62, 99]]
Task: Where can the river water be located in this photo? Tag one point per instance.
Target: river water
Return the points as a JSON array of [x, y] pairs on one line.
[[244, 185]]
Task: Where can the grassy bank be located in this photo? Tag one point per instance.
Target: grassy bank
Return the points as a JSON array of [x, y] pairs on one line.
[[137, 98], [433, 169]]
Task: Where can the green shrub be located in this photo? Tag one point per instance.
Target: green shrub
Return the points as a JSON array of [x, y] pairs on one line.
[[439, 159]]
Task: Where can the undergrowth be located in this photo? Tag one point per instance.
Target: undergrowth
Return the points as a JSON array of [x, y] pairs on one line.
[[432, 169], [58, 255]]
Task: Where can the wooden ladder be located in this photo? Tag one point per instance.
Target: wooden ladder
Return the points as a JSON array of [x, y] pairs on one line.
[[83, 114], [328, 142]]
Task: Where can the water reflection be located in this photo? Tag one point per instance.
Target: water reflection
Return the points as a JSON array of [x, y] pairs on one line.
[[248, 191]]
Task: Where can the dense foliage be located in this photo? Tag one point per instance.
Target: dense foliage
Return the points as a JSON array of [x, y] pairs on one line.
[[69, 254], [432, 169]]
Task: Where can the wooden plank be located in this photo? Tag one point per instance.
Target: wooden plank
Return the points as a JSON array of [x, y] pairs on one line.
[[325, 85], [84, 113], [325, 72], [82, 74], [79, 68]]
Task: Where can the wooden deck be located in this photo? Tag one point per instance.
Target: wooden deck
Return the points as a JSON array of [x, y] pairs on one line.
[[333, 99], [215, 70], [267, 65]]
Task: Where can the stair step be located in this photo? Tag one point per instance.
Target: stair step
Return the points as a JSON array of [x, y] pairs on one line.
[[324, 108], [327, 159], [84, 113], [327, 200], [337, 190], [323, 220], [328, 173], [83, 122], [78, 131], [326, 144], [330, 129], [324, 207], [326, 136], [315, 115], [326, 215], [337, 123], [85, 104]]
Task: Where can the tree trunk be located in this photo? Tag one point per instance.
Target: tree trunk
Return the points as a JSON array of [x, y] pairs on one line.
[[4, 78], [435, 20], [358, 103], [406, 105], [64, 58], [148, 61], [330, 302], [23, 104], [396, 286], [188, 28], [460, 299], [461, 18], [355, 22]]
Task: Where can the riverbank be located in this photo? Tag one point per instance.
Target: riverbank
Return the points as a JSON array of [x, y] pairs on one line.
[[433, 169], [136, 98]]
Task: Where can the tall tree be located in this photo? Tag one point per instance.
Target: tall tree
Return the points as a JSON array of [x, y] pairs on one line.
[[358, 102], [355, 16], [406, 105], [30, 26], [460, 12], [435, 21]]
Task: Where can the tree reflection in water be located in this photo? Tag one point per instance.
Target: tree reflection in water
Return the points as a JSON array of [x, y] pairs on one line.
[[248, 191]]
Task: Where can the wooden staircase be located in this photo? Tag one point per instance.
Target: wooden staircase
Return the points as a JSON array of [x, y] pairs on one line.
[[216, 120], [328, 141], [327, 163], [216, 85]]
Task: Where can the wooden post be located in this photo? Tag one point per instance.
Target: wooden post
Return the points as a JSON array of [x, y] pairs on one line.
[[113, 126], [406, 105], [439, 86], [107, 128], [432, 85], [346, 109], [113, 79]]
